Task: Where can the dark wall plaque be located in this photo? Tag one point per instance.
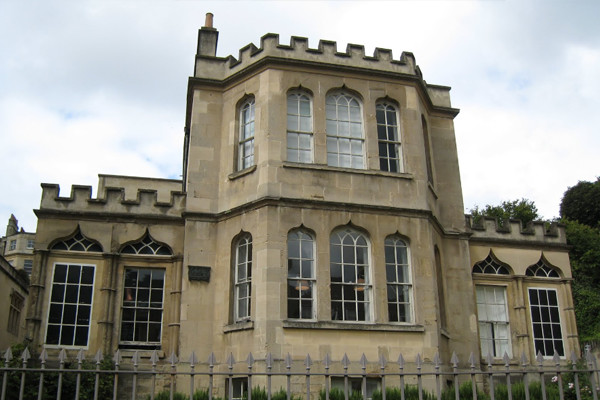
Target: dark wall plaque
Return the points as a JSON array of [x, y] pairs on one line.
[[197, 273]]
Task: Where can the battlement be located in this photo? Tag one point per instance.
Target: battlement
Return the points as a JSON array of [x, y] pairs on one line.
[[111, 200], [208, 66], [537, 231]]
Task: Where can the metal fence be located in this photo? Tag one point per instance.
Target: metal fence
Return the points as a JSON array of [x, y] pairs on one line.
[[25, 377]]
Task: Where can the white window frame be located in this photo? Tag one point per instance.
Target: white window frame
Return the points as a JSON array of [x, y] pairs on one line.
[[30, 243], [490, 319], [301, 273], [345, 131], [351, 282], [299, 127], [396, 267], [242, 286], [130, 290], [247, 118], [12, 245], [75, 325], [556, 323], [388, 136]]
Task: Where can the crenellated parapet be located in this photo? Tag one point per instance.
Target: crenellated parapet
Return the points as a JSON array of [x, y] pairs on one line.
[[487, 228], [208, 66], [111, 201]]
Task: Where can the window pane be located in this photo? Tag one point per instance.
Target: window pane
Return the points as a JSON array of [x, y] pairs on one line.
[[493, 320], [70, 305], [345, 268], [300, 264], [345, 122], [142, 302], [545, 316]]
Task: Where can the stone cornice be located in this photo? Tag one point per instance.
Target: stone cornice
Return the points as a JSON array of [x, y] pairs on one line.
[[322, 205]]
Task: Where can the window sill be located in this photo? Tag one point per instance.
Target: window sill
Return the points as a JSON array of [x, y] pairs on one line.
[[356, 326], [327, 168], [138, 346], [238, 174], [238, 326], [142, 353]]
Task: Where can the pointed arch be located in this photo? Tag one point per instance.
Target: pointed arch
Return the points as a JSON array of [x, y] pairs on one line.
[[543, 269], [146, 245], [491, 265], [76, 241]]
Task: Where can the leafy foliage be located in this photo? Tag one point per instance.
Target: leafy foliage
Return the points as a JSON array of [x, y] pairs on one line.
[[338, 394], [524, 210], [584, 240], [582, 203]]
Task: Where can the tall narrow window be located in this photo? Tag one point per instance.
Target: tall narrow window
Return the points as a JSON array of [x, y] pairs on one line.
[[345, 136], [427, 150], [242, 278], [70, 305], [299, 128], [14, 312], [350, 286], [389, 137], [28, 266], [545, 317], [494, 332], [301, 278], [141, 319], [246, 137], [399, 287], [440, 287]]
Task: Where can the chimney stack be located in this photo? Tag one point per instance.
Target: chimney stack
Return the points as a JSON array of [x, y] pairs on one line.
[[207, 38]]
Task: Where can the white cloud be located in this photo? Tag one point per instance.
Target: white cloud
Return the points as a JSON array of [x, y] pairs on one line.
[[94, 87]]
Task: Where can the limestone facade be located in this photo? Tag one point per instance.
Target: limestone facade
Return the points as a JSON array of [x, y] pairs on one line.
[[297, 239]]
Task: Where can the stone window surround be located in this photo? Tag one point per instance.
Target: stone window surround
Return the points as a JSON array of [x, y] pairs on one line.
[[241, 170], [315, 323]]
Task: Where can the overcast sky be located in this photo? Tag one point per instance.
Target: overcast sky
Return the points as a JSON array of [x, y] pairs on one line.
[[90, 87]]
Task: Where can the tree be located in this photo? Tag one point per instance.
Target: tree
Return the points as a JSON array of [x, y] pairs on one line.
[[582, 203], [524, 210], [580, 212]]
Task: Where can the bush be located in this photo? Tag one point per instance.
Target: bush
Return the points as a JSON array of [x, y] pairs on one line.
[[338, 394], [411, 392], [50, 386]]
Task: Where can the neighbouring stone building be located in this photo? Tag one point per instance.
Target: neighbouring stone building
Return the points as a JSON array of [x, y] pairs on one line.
[[14, 289], [320, 212], [17, 246]]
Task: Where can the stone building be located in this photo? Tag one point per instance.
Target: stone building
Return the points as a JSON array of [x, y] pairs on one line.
[[14, 289], [17, 246], [320, 212]]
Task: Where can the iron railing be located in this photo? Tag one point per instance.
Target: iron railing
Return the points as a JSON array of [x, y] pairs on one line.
[[303, 379]]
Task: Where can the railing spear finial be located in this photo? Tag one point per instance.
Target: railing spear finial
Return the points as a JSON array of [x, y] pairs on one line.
[[8, 355], [401, 361], [454, 360]]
